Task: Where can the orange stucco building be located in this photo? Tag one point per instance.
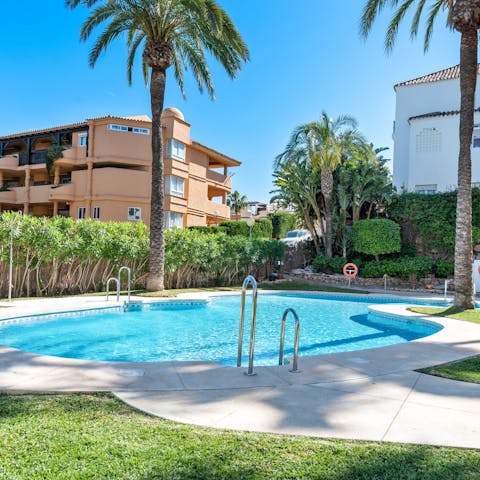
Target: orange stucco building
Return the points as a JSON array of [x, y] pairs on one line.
[[105, 172]]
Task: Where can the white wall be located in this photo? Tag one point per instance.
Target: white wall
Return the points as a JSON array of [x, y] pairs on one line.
[[411, 168]]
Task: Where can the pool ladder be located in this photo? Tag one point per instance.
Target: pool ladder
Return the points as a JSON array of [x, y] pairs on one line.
[[118, 280], [251, 280]]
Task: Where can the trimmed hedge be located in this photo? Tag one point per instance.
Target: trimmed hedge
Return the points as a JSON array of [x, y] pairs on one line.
[[260, 229], [401, 267], [282, 223], [376, 237]]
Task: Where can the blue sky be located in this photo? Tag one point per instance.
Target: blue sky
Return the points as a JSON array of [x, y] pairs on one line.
[[306, 56]]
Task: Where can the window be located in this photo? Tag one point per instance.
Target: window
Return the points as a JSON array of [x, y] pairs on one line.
[[476, 136], [176, 150], [426, 189], [125, 128], [134, 213], [96, 213], [428, 140], [175, 186], [173, 219], [81, 212], [82, 139]]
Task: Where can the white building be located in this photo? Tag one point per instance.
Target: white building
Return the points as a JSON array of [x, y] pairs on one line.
[[425, 135]]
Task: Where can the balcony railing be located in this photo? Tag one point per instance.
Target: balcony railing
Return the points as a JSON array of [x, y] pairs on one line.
[[35, 158]]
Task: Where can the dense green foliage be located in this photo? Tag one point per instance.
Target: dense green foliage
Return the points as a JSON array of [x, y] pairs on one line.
[[282, 223], [61, 255], [95, 436], [54, 152], [194, 259], [403, 267], [361, 189], [325, 264], [376, 237], [428, 221], [260, 229]]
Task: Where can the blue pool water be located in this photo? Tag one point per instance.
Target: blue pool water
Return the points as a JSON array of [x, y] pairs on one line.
[[209, 331]]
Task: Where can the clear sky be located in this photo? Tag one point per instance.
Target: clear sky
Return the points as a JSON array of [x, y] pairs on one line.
[[306, 56]]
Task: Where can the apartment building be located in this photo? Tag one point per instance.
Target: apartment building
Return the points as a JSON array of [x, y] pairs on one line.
[[426, 143], [105, 172]]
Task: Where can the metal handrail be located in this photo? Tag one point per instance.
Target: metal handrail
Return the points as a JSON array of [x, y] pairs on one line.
[[295, 344], [129, 272], [113, 279], [249, 279]]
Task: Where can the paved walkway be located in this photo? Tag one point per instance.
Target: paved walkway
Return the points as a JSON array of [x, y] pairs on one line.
[[370, 394]]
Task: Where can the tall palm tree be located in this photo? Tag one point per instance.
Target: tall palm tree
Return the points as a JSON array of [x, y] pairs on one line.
[[178, 33], [237, 202], [298, 185], [324, 143], [464, 17]]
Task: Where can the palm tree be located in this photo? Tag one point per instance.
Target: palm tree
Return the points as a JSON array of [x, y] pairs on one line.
[[237, 202], [464, 17], [176, 33], [298, 186], [324, 143]]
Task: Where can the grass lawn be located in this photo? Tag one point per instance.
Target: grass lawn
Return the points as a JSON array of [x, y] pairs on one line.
[[95, 436], [308, 287], [450, 312], [466, 370]]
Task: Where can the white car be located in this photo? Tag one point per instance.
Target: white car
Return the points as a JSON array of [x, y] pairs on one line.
[[296, 236]]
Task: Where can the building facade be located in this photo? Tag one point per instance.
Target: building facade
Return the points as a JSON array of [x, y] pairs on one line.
[[426, 144], [105, 172]]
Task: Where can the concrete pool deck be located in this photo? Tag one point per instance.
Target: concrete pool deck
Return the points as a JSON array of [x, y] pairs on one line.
[[370, 394]]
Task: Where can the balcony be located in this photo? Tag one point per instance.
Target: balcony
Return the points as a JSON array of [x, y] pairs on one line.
[[14, 195], [65, 192], [217, 210], [8, 196], [40, 193], [9, 162], [219, 180]]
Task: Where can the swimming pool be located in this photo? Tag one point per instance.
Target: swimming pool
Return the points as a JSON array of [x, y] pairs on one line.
[[208, 330]]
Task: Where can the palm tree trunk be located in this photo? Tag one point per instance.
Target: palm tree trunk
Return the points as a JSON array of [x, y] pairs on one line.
[[463, 239], [327, 189], [155, 279]]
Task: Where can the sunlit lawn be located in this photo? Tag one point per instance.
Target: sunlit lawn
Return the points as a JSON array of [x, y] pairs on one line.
[[95, 436]]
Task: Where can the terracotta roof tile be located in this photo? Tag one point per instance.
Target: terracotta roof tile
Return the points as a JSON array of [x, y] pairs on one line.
[[438, 114], [446, 74], [140, 118]]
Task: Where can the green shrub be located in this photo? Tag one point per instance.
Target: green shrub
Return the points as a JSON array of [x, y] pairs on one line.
[[401, 267], [376, 237], [61, 255], [429, 220], [325, 264], [262, 229], [236, 228], [282, 222], [211, 229], [444, 268]]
